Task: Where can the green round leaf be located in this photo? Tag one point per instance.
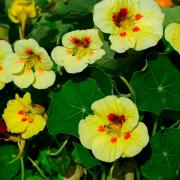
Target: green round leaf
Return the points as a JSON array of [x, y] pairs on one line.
[[8, 153], [164, 162], [71, 104], [158, 87]]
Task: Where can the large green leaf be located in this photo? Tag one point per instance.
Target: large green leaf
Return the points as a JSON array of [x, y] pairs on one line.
[[71, 104], [103, 80], [8, 153], [73, 9], [158, 87], [83, 157], [172, 15], [164, 162]]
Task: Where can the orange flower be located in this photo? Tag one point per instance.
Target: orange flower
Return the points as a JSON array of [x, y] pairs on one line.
[[165, 3]]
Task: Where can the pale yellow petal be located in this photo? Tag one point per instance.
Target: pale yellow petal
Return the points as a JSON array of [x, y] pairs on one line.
[[24, 79], [67, 39], [121, 44], [5, 48], [102, 16], [58, 54], [36, 125], [135, 141], [25, 47], [89, 129], [13, 63], [172, 33], [95, 55], [107, 148], [106, 106], [5, 76], [131, 114], [43, 79]]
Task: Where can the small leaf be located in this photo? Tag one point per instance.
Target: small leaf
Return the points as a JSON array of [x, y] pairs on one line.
[[164, 162], [7, 153], [171, 15], [157, 88], [71, 104], [83, 156]]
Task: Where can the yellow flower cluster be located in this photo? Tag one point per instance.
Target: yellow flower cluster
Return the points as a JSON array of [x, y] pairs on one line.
[[23, 117]]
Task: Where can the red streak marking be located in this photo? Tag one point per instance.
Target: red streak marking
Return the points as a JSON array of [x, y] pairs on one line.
[[123, 34], [116, 119], [101, 129], [3, 127], [127, 136], [113, 140], [120, 16], [85, 42], [136, 29], [31, 121], [21, 112], [1, 68], [138, 16], [29, 52], [24, 119]]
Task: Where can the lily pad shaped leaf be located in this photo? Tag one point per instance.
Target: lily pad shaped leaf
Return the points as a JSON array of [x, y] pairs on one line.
[[164, 162], [71, 104], [158, 87]]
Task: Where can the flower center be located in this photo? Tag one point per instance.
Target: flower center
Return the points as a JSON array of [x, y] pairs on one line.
[[81, 43], [120, 16], [115, 123]]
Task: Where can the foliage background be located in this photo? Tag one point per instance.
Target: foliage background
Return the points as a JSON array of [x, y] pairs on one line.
[[154, 84]]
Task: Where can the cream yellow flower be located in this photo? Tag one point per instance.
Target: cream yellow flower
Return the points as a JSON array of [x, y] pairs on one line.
[[23, 117], [172, 33], [20, 10], [5, 76], [113, 131], [131, 23], [81, 47], [30, 64]]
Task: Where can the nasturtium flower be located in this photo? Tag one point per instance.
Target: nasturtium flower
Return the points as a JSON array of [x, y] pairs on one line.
[[165, 3], [172, 33], [5, 75], [30, 64], [80, 48], [130, 23], [20, 10], [113, 131], [23, 117]]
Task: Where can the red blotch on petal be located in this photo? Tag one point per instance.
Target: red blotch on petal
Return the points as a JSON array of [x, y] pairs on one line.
[[123, 34], [3, 127], [24, 119], [127, 136], [101, 129], [113, 140], [21, 112], [138, 16], [136, 29], [116, 119], [29, 52], [1, 68]]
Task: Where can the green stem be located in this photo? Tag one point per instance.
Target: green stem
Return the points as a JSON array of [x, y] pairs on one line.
[[22, 168], [111, 171], [60, 149], [138, 174], [128, 85], [103, 176], [155, 127], [38, 168]]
